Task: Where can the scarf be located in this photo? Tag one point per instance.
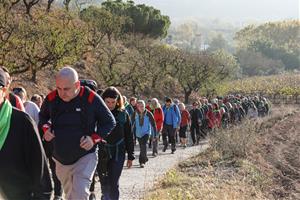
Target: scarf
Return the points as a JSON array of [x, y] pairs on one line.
[[5, 116], [126, 104]]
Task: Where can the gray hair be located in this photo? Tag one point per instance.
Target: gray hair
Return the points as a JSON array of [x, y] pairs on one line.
[[155, 103], [181, 105], [68, 73], [141, 102], [176, 101]]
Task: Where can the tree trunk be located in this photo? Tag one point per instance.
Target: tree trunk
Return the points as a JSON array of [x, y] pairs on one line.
[[187, 94], [109, 39], [133, 90], [67, 4], [49, 5], [33, 75]]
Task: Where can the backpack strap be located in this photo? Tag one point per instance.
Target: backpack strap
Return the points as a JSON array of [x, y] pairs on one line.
[[91, 94], [52, 96], [91, 97], [82, 89], [122, 117], [53, 102], [86, 97]]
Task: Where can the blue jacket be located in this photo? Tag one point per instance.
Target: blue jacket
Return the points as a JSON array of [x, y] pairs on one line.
[[172, 115], [148, 127]]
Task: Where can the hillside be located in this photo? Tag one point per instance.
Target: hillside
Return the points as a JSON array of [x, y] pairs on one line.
[[284, 84], [253, 161]]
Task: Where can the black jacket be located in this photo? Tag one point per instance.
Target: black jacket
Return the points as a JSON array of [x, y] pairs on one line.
[[72, 120], [196, 117], [22, 159], [121, 136]]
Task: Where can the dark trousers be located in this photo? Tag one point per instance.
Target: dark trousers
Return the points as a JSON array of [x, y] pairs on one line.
[[57, 184], [150, 141], [92, 188], [110, 183], [182, 131], [176, 136], [143, 149], [168, 135], [155, 146], [195, 133]]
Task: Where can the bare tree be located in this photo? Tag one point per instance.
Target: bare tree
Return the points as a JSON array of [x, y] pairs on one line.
[[29, 4], [67, 4], [49, 3]]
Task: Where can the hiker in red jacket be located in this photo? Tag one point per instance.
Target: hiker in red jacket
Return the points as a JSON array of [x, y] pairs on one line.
[[185, 121], [148, 105], [217, 115], [210, 117], [159, 120]]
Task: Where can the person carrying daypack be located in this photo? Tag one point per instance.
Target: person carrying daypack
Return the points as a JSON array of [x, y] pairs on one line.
[[79, 120], [184, 124], [196, 123], [119, 142], [159, 120], [172, 119], [144, 126]]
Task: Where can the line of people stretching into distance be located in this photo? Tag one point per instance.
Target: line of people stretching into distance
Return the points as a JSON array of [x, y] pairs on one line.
[[59, 143]]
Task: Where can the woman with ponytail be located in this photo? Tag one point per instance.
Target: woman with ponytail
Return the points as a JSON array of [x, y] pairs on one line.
[[119, 142]]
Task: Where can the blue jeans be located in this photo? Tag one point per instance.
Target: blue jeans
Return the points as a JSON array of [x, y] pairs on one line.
[[110, 183]]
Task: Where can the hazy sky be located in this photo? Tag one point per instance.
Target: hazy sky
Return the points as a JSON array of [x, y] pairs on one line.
[[233, 10]]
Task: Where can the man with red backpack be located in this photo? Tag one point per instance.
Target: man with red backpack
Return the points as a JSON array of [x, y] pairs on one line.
[[79, 120]]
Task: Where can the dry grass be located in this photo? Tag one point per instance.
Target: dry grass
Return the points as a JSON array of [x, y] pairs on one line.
[[228, 169]]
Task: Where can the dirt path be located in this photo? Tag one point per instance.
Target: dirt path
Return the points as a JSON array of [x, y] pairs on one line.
[[135, 182]]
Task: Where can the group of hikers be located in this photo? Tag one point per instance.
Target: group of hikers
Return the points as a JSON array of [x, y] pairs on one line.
[[78, 132]]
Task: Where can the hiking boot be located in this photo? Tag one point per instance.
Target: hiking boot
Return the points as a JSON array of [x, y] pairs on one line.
[[142, 165], [56, 197], [92, 196], [165, 148], [173, 150]]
